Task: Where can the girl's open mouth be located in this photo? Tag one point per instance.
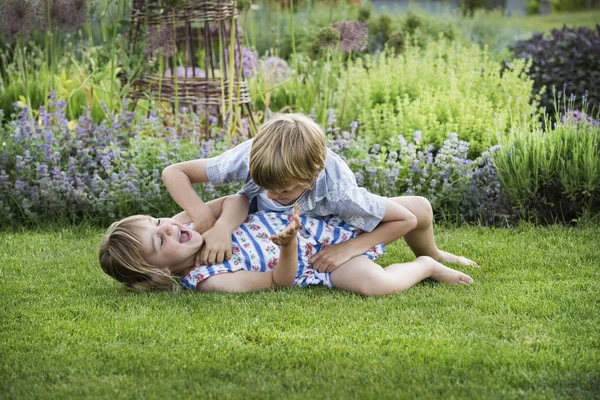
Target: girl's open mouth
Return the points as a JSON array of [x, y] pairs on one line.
[[184, 236]]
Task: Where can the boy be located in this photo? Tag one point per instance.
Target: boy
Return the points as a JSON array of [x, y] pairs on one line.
[[287, 163]]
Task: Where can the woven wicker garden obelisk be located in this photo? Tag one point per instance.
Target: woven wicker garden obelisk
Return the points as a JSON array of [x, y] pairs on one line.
[[179, 31]]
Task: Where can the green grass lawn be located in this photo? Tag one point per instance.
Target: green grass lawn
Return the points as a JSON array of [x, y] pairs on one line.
[[545, 23], [527, 328]]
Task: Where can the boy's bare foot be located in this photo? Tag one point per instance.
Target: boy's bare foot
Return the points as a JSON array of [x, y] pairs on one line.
[[442, 273], [446, 257]]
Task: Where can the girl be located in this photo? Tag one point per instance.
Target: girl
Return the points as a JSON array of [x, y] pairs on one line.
[[146, 253]]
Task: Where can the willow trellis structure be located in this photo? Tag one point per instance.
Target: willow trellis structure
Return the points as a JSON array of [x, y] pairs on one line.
[[178, 33]]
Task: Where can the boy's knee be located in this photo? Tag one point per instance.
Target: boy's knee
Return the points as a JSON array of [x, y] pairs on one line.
[[412, 221], [165, 172], [425, 211], [424, 203]]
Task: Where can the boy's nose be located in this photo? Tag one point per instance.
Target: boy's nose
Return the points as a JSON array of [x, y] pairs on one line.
[[272, 196]]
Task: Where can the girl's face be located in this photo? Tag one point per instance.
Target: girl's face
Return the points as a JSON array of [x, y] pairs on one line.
[[168, 245]]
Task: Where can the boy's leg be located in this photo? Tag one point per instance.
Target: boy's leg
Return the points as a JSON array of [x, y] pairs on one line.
[[421, 240], [361, 275]]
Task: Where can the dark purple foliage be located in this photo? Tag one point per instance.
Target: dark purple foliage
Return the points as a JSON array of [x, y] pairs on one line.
[[568, 56]]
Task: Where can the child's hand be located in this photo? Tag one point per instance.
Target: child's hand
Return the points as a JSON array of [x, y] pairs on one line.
[[330, 257], [288, 234], [216, 247]]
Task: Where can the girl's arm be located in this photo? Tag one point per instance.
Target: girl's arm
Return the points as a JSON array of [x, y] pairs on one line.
[[283, 274]]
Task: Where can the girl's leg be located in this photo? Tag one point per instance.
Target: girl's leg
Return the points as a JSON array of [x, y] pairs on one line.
[[421, 240], [361, 275]]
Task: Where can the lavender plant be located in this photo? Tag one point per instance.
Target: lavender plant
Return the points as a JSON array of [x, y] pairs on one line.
[[552, 174], [52, 171], [459, 189]]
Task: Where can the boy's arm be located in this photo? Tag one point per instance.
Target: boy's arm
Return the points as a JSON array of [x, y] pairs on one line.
[[228, 167], [217, 240], [397, 222], [283, 274], [216, 206], [178, 178]]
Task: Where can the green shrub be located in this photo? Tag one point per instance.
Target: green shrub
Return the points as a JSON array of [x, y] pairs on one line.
[[532, 7], [447, 87], [553, 174], [568, 5], [425, 28], [468, 7]]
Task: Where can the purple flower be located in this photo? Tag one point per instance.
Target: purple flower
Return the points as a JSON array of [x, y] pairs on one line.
[[275, 70], [249, 61], [331, 120], [80, 8], [417, 137], [354, 35], [414, 167], [17, 19], [360, 179], [206, 149], [58, 15], [579, 117], [370, 170]]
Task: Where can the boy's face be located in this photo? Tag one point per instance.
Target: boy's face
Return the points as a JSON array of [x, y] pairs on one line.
[[288, 196], [168, 245]]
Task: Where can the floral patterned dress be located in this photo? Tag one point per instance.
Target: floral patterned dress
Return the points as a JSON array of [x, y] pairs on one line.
[[253, 250]]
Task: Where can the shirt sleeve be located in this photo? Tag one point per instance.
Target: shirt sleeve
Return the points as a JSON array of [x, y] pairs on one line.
[[231, 166], [355, 205]]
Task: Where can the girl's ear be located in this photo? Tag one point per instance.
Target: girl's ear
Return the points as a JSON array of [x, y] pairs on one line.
[[167, 271]]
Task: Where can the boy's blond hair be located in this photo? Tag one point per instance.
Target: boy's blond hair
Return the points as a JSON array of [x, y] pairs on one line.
[[289, 150], [121, 257]]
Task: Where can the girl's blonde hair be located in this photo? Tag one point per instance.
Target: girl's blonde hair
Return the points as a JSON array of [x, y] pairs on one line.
[[121, 257], [289, 150]]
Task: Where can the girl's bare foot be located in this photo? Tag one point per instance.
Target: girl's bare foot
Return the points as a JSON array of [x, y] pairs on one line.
[[442, 273], [446, 257]]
